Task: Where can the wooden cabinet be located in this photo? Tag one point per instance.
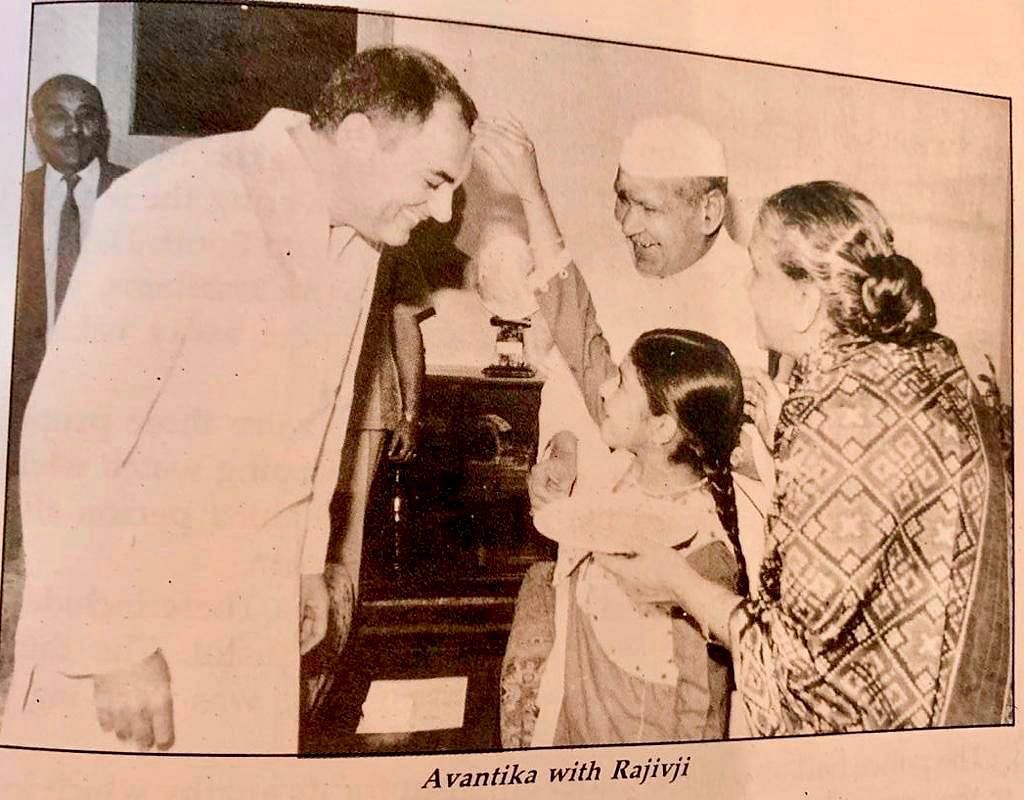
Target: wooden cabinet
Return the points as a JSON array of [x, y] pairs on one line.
[[454, 523], [446, 542]]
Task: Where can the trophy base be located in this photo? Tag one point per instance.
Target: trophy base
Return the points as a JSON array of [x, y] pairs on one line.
[[507, 371]]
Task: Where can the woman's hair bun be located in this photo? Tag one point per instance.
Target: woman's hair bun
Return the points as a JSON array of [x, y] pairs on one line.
[[896, 303]]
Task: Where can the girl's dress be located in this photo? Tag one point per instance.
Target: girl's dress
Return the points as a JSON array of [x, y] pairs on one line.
[[634, 671], [584, 664]]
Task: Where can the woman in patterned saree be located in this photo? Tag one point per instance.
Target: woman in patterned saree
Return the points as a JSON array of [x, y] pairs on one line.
[[883, 599]]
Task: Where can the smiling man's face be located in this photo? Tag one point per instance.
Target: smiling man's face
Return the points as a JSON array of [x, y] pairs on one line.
[[69, 126], [413, 169], [664, 229]]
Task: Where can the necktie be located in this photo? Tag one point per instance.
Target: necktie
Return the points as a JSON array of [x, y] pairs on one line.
[[68, 242]]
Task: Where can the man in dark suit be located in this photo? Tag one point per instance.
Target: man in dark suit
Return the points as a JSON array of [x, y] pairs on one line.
[[69, 127]]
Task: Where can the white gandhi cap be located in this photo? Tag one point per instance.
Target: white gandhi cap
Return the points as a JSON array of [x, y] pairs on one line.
[[672, 147]]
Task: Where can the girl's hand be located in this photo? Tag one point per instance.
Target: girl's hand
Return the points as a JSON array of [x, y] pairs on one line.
[[505, 143], [551, 479]]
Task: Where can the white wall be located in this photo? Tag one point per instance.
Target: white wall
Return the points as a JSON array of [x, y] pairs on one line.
[[935, 162]]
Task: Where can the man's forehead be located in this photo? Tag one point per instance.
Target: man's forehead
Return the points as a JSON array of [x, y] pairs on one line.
[[460, 175], [638, 185], [444, 114], [443, 143], [71, 96]]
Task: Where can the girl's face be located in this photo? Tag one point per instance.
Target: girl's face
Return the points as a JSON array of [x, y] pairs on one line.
[[625, 423]]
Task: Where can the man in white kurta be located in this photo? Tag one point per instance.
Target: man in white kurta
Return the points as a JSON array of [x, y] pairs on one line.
[[181, 446], [677, 268]]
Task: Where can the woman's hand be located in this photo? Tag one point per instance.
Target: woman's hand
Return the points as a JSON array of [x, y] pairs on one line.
[[762, 402], [505, 143], [663, 575], [648, 577]]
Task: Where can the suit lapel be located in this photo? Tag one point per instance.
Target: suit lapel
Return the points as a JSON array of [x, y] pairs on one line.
[[31, 310], [31, 288]]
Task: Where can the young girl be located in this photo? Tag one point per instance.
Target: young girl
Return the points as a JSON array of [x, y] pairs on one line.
[[628, 671], [636, 672]]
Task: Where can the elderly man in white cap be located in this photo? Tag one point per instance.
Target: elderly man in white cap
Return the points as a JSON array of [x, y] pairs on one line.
[[671, 190], [670, 201], [686, 272]]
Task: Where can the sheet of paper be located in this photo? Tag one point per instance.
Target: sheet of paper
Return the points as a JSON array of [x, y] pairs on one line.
[[429, 704]]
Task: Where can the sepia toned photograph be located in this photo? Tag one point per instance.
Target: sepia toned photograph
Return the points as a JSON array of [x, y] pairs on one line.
[[386, 386]]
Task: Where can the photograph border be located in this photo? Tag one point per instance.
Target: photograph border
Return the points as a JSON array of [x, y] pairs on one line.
[[677, 50]]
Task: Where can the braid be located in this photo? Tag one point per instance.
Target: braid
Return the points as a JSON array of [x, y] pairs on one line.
[[694, 377], [724, 493]]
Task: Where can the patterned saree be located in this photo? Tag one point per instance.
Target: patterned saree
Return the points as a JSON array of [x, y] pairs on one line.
[[884, 593]]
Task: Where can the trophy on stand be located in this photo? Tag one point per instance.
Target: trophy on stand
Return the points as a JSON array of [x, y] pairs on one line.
[[502, 266]]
